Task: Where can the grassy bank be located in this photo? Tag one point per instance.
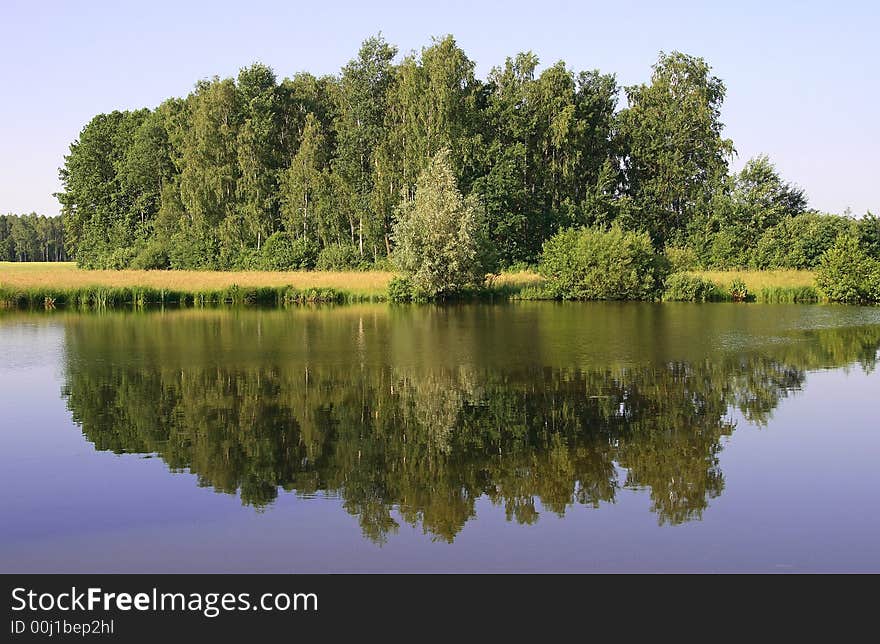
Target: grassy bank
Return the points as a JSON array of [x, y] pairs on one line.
[[39, 285], [779, 286], [34, 284], [44, 285]]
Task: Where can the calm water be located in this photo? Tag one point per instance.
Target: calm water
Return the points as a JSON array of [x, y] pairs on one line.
[[527, 437]]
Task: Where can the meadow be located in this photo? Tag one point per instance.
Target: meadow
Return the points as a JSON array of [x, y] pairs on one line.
[[49, 283]]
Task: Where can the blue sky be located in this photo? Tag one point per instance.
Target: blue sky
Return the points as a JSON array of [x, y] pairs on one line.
[[802, 77]]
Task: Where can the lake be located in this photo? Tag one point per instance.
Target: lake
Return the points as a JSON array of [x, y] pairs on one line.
[[515, 437]]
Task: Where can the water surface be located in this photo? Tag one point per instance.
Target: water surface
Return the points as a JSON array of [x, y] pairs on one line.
[[517, 437]]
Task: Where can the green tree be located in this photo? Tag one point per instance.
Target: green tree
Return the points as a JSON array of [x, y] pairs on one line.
[[360, 126], [439, 237], [304, 185], [674, 154], [257, 153]]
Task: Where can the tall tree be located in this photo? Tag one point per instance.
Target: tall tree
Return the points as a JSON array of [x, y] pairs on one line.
[[674, 154], [360, 127], [305, 184], [257, 152]]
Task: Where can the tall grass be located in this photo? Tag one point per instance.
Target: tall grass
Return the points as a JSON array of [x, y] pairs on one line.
[[104, 297], [65, 275], [755, 281], [47, 285]]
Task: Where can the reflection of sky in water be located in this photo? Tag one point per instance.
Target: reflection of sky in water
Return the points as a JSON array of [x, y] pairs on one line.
[[800, 493]]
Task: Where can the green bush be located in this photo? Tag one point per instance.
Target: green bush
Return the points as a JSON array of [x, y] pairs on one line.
[[847, 273], [681, 287], [681, 258], [728, 250], [153, 256], [400, 289], [590, 264], [284, 252], [799, 242], [738, 291], [119, 258], [338, 257]]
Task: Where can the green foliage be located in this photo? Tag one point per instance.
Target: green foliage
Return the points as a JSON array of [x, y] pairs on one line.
[[789, 295], [284, 252], [31, 238], [738, 291], [153, 256], [439, 237], [846, 273], [682, 287], [400, 289], [868, 230], [799, 242], [338, 257], [337, 161], [590, 264], [681, 258], [675, 156]]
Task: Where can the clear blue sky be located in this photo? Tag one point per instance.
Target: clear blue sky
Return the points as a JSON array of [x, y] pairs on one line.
[[802, 77]]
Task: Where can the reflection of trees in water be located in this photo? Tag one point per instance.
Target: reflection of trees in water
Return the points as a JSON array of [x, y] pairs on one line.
[[429, 442]]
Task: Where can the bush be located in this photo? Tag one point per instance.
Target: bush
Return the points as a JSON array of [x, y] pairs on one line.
[[728, 250], [400, 289], [385, 264], [738, 291], [153, 256], [284, 252], [799, 242], [338, 257], [681, 258], [681, 287], [119, 258], [589, 264], [847, 273]]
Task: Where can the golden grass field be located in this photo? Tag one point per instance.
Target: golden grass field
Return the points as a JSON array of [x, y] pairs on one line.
[[757, 280], [66, 275], [62, 275]]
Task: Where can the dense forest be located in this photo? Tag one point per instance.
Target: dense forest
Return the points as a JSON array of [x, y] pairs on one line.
[[311, 171], [31, 238]]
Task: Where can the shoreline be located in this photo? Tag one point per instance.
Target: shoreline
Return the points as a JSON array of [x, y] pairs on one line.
[[39, 285]]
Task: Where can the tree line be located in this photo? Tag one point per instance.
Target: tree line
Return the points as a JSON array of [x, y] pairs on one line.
[[310, 171], [32, 238]]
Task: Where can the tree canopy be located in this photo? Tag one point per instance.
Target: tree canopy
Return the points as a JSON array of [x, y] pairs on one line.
[[203, 181]]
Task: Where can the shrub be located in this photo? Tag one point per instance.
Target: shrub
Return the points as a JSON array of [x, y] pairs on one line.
[[153, 256], [385, 264], [338, 257], [799, 242], [119, 258], [738, 291], [400, 289], [728, 250], [681, 258], [590, 264], [847, 273], [681, 287], [284, 252]]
